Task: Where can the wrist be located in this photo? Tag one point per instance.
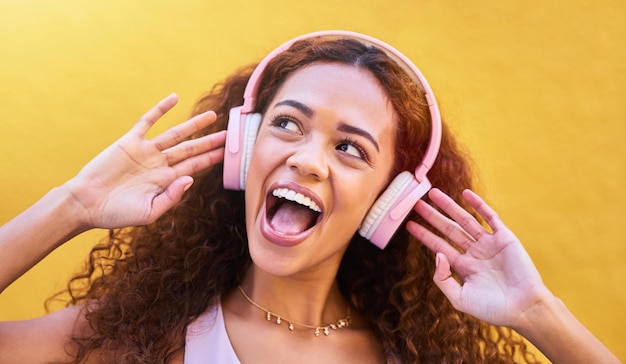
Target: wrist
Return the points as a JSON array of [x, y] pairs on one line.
[[545, 307], [555, 331], [70, 208]]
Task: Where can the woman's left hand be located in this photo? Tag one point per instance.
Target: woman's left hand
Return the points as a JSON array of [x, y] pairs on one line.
[[497, 280]]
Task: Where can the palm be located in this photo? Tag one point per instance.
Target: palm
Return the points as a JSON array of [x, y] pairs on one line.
[[497, 279], [135, 180]]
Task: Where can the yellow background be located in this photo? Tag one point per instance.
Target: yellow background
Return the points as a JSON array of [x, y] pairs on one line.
[[535, 89]]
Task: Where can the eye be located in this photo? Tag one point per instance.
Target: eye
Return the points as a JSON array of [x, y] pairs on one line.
[[287, 123], [352, 148]]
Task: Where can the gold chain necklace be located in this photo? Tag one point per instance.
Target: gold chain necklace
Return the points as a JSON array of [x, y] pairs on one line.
[[341, 323]]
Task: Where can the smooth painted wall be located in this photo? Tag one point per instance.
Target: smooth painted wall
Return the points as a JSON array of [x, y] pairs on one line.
[[534, 89]]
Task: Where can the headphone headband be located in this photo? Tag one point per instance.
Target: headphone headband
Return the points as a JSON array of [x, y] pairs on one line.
[[396, 202], [252, 87]]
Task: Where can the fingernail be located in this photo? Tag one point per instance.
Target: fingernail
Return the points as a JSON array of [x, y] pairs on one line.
[[437, 259]]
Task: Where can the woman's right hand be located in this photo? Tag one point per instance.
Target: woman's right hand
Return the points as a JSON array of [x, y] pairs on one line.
[[135, 180]]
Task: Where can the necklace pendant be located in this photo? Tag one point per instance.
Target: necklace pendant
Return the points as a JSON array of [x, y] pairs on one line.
[[341, 323]]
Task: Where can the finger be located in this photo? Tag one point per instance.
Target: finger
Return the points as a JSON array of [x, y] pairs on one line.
[[191, 148], [444, 279], [170, 197], [448, 227], [469, 224], [148, 119], [193, 165], [433, 242], [490, 215], [181, 132]]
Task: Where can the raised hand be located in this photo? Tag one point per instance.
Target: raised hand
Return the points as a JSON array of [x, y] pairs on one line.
[[135, 180], [497, 280]]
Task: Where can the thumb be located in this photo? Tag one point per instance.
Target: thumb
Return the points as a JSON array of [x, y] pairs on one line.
[[171, 196], [444, 279]]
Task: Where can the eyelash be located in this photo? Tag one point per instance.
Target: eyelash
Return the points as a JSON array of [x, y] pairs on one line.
[[354, 143], [278, 119]]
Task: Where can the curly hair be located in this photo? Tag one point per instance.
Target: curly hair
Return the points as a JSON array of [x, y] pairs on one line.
[[143, 285]]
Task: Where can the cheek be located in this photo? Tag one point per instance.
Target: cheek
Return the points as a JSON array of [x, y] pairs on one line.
[[357, 195], [265, 149], [358, 190], [261, 159], [265, 158], [254, 182]]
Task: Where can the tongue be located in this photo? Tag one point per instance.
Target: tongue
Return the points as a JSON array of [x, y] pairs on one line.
[[292, 218]]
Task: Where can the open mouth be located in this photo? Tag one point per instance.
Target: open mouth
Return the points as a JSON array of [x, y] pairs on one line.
[[290, 212]]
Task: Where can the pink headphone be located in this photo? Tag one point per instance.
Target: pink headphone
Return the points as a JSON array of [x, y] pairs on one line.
[[396, 202]]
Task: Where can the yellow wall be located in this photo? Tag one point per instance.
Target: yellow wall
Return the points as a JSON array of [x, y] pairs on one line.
[[534, 89]]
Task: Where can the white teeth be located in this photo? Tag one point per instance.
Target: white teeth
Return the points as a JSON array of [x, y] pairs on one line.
[[292, 195]]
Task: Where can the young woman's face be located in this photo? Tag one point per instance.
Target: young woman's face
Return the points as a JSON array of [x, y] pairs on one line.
[[323, 154]]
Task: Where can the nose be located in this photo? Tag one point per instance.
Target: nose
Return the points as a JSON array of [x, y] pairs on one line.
[[309, 160]]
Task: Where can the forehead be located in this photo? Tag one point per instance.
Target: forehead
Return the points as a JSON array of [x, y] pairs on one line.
[[340, 76], [353, 94]]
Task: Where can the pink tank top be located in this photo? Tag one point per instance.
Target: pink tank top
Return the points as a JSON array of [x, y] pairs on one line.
[[207, 340]]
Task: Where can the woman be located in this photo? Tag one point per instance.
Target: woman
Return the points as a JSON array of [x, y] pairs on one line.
[[278, 273]]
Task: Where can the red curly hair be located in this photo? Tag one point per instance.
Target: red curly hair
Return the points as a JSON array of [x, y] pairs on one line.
[[144, 285]]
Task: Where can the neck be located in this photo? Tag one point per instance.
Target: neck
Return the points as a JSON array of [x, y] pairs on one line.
[[314, 301]]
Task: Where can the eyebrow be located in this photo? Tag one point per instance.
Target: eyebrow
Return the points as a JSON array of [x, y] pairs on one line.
[[355, 130], [343, 127], [307, 111]]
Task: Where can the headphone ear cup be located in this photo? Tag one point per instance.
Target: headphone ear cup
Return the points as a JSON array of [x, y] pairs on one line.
[[390, 209], [240, 138], [383, 203], [253, 121]]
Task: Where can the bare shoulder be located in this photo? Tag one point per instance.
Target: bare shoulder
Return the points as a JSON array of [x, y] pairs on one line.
[[46, 339]]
